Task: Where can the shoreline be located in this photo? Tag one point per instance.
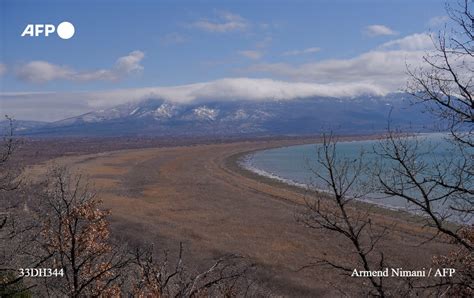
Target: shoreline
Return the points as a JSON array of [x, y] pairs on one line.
[[245, 163], [234, 163], [199, 196]]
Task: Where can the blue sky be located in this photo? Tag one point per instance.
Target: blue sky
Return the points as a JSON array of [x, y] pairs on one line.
[[131, 45]]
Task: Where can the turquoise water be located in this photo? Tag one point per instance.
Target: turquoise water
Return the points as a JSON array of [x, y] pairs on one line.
[[294, 164]]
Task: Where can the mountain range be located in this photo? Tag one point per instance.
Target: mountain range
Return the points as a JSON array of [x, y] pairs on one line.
[[303, 116]]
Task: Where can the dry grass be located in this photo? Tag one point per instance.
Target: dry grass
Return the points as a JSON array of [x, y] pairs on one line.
[[196, 195]]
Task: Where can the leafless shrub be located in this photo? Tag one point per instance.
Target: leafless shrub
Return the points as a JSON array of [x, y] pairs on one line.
[[227, 277], [462, 259], [12, 228], [74, 237]]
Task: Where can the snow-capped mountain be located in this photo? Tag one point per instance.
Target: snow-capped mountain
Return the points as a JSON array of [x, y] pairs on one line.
[[205, 113], [289, 117], [165, 111], [159, 109]]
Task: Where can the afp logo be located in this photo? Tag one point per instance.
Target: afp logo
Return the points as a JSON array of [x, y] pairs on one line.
[[65, 30]]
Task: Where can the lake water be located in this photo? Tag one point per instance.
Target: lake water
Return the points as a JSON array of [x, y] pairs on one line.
[[294, 164]]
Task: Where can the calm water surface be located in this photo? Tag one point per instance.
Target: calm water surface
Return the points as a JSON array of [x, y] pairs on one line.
[[293, 164]]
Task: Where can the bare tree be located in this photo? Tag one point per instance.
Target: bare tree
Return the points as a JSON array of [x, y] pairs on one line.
[[441, 190], [64, 229], [444, 84], [436, 189], [341, 178], [227, 277], [8, 174], [460, 284], [74, 239], [12, 228]]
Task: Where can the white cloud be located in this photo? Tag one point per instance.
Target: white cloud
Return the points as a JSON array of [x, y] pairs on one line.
[[3, 69], [229, 89], [414, 42], [251, 54], [43, 71], [379, 30], [301, 52], [130, 63], [377, 72], [225, 22], [383, 67], [438, 21], [58, 105]]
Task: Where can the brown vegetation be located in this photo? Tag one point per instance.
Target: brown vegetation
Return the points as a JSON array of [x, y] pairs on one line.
[[236, 227], [441, 191]]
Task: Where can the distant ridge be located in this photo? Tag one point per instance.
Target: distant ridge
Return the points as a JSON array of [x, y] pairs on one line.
[[156, 117]]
